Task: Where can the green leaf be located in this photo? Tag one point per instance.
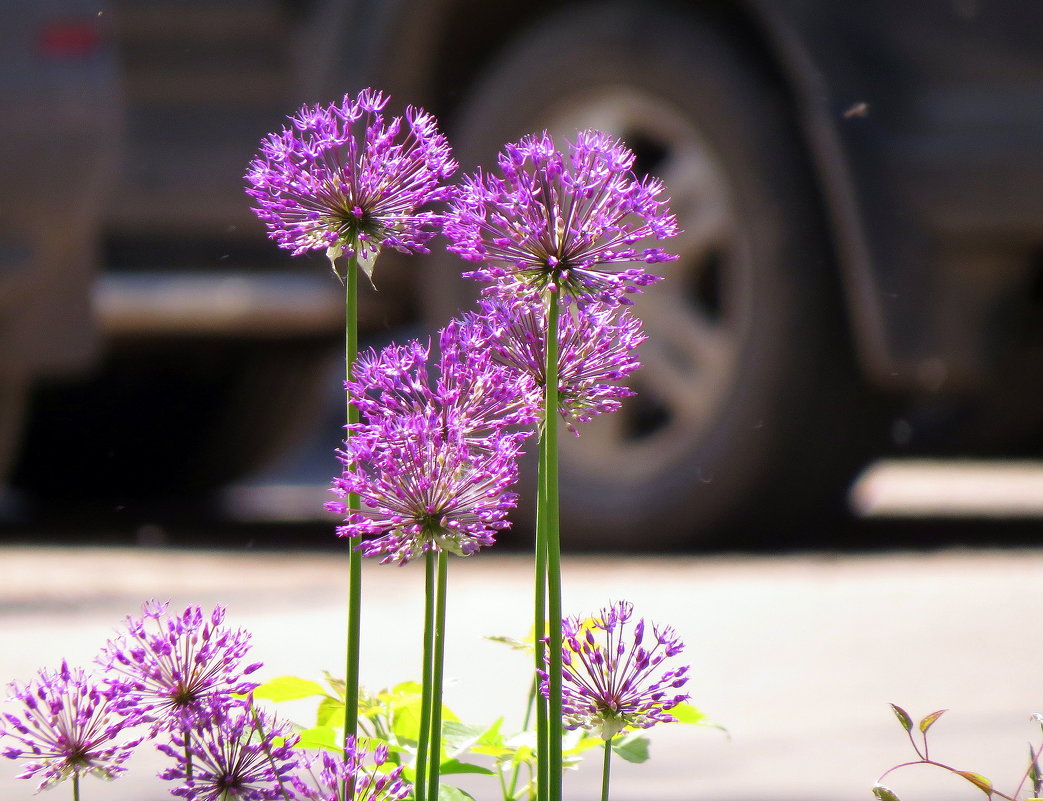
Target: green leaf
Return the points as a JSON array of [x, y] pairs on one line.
[[452, 794], [331, 710], [686, 713], [903, 717], [929, 720], [632, 748], [977, 780], [448, 766], [337, 685], [458, 737], [884, 793], [288, 688], [320, 737]]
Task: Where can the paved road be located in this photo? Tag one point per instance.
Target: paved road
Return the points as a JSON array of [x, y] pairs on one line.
[[798, 656]]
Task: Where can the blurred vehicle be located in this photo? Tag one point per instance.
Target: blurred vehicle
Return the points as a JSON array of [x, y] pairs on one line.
[[860, 185]]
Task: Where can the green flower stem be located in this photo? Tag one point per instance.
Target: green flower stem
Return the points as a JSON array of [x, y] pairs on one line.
[[549, 520], [76, 787], [354, 621], [534, 698], [605, 770], [437, 663], [540, 633], [424, 741]]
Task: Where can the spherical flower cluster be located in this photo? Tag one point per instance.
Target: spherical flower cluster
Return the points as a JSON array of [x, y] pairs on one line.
[[551, 221], [324, 777], [612, 684], [170, 669], [234, 752], [596, 345], [465, 386], [424, 486], [344, 179], [67, 727]]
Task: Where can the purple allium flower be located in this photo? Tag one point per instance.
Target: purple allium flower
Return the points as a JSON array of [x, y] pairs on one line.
[[596, 346], [612, 684], [424, 486], [170, 668], [67, 727], [345, 180], [235, 752], [466, 386], [324, 776], [556, 221]]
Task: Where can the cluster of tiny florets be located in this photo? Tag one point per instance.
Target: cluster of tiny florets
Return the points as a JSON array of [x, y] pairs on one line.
[[344, 179], [68, 724], [596, 351], [561, 222], [324, 777], [171, 668], [424, 486], [68, 727], [611, 682]]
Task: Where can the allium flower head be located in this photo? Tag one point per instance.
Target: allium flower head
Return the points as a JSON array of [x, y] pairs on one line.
[[67, 727], [596, 345], [611, 679], [551, 220], [424, 486], [324, 777], [346, 180], [237, 752], [172, 668], [465, 385]]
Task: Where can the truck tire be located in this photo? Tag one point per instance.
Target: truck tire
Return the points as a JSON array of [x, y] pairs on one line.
[[747, 379]]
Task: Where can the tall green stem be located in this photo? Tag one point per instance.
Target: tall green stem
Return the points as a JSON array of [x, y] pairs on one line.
[[76, 787], [354, 621], [540, 631], [424, 740], [549, 520], [437, 663], [605, 770]]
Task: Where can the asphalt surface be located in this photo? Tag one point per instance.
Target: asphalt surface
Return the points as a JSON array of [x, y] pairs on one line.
[[797, 655]]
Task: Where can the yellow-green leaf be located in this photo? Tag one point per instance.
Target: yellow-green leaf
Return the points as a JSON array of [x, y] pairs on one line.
[[288, 688]]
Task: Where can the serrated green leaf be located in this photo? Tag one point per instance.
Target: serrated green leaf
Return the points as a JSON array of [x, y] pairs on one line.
[[903, 717], [884, 793], [448, 766], [320, 737], [632, 748], [977, 780], [452, 794], [288, 688], [929, 720]]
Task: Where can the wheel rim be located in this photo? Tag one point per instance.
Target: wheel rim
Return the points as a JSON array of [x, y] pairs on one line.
[[695, 320]]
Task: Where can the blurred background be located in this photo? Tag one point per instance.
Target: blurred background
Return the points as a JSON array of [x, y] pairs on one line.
[[846, 357]]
